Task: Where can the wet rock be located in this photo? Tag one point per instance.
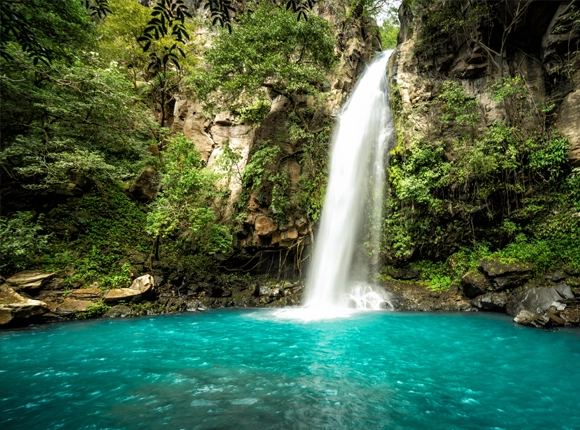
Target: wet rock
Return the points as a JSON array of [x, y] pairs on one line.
[[474, 284], [495, 302], [505, 275], [146, 186], [535, 301], [139, 289], [526, 317], [72, 306], [565, 291], [29, 281], [571, 315], [569, 122], [18, 310], [119, 311]]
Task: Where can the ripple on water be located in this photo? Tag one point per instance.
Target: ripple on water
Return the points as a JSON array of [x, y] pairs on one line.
[[254, 369]]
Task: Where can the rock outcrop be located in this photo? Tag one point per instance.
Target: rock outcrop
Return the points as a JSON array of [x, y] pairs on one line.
[[18, 310], [495, 302], [146, 186], [29, 281], [545, 307], [266, 240], [140, 288]]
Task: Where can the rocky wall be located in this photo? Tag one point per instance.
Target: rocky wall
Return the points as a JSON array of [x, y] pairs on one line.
[[540, 42], [263, 242]]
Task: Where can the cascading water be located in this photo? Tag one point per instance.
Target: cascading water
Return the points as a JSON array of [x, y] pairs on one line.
[[353, 203]]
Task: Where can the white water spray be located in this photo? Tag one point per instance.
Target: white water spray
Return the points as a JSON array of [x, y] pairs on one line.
[[353, 202]]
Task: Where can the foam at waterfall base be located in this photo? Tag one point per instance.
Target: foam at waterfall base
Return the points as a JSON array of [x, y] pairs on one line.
[[365, 296], [361, 297]]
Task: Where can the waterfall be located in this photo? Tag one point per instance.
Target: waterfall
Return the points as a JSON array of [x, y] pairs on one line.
[[352, 210]]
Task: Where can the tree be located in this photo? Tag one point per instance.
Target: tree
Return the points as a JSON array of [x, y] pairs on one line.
[[186, 208], [389, 28], [46, 29], [268, 48]]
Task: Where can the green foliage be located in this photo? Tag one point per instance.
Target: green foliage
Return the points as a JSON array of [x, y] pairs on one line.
[[389, 29], [267, 47], [548, 155], [96, 233], [260, 165], [20, 241], [507, 87], [94, 310], [474, 183], [45, 30], [459, 106], [254, 113], [435, 275], [185, 210], [167, 18], [263, 175], [69, 120]]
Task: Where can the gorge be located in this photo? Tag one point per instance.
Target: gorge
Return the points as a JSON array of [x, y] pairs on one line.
[[387, 201]]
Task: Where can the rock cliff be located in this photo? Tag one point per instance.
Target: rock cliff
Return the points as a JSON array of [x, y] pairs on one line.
[[270, 239]]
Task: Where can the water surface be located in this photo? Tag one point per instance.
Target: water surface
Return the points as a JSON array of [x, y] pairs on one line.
[[246, 369]]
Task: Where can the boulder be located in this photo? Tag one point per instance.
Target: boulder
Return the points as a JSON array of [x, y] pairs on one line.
[[140, 288], [535, 301], [526, 317], [565, 291], [289, 235], [505, 275], [16, 309], [29, 280], [72, 306], [265, 226], [495, 302], [474, 284], [146, 186]]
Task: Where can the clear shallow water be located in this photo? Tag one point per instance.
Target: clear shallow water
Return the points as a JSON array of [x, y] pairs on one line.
[[235, 369]]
